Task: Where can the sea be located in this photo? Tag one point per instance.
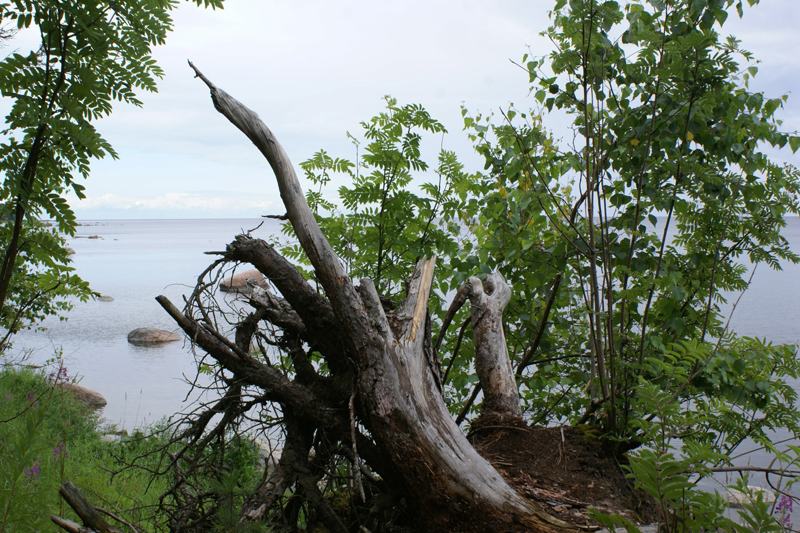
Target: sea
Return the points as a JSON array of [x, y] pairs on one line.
[[133, 261]]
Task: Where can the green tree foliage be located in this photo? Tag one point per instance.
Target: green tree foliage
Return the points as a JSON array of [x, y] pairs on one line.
[[40, 280], [621, 242], [90, 54], [384, 226]]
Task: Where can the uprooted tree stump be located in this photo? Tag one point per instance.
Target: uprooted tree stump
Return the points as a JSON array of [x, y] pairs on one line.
[[378, 404]]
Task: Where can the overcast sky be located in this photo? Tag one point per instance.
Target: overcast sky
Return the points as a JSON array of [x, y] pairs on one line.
[[314, 69]]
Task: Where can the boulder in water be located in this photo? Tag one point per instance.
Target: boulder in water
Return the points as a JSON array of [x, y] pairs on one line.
[[106, 298], [738, 499], [94, 236], [70, 251], [87, 397], [151, 336], [239, 282]]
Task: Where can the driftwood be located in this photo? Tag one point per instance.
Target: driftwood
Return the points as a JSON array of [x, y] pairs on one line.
[[382, 373], [93, 521]]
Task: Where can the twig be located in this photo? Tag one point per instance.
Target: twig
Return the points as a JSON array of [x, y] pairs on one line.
[[455, 351], [464, 410], [117, 518], [550, 410], [458, 301], [481, 428], [788, 473], [591, 410], [356, 461], [526, 359]]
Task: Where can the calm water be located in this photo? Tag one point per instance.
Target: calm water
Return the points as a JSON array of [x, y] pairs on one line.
[[771, 307], [135, 260]]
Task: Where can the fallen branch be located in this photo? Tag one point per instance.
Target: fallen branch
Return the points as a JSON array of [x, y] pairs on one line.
[[93, 521], [777, 471]]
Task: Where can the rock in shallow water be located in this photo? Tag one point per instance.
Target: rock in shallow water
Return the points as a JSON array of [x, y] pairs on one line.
[[106, 298], [239, 282], [738, 499], [87, 397], [151, 336]]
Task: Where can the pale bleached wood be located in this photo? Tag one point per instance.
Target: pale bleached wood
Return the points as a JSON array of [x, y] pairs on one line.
[[327, 266], [466, 474], [69, 525], [402, 406], [492, 364]]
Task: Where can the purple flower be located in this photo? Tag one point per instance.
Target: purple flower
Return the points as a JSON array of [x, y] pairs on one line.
[[32, 471], [784, 507], [784, 504], [60, 375], [30, 396], [58, 450]]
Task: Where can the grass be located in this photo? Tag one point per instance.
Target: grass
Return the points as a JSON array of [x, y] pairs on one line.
[[47, 438]]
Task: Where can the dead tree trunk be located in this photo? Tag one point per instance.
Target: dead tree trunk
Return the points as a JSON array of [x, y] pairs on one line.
[[382, 359], [492, 364]]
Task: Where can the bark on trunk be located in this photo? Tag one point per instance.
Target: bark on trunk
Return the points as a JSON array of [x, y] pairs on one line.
[[398, 397]]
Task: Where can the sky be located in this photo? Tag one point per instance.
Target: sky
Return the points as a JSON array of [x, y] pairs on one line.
[[314, 69]]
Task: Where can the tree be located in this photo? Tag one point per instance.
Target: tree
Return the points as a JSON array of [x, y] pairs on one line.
[[90, 55], [623, 242], [611, 323], [41, 280], [381, 370]]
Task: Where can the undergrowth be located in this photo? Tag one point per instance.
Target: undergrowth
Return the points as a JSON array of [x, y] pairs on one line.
[[47, 438]]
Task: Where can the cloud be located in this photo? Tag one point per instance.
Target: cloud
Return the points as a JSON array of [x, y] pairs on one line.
[[196, 204], [314, 69]]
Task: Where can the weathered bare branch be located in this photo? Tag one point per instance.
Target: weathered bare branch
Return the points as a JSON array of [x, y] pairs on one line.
[[322, 328], [92, 520], [329, 270], [277, 311], [398, 398], [458, 301], [256, 507], [527, 358], [275, 385]]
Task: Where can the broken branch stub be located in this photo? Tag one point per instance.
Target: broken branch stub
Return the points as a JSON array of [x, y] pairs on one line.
[[92, 520], [492, 364]]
